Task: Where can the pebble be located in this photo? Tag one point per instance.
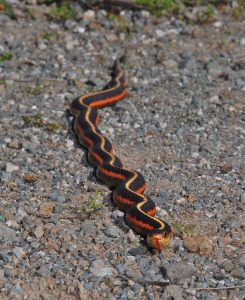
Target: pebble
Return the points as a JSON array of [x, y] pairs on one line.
[[111, 37], [174, 291], [198, 244], [38, 232], [11, 168], [179, 272], [98, 268], [242, 41], [224, 188], [19, 252], [239, 273], [44, 270], [113, 231], [226, 167], [46, 209], [89, 15], [15, 144], [181, 201], [88, 228], [191, 198]]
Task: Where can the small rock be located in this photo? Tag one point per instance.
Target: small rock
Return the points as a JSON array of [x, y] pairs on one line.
[[12, 223], [181, 201], [131, 237], [215, 99], [170, 64], [226, 168], [132, 268], [44, 270], [14, 144], [38, 232], [198, 244], [20, 214], [19, 252], [56, 197], [160, 33], [224, 188], [16, 290], [99, 269], [218, 24], [241, 260], [191, 198], [174, 291], [113, 232], [239, 273], [71, 44], [242, 198], [69, 143], [89, 15], [177, 272], [111, 37], [30, 178], [242, 42], [145, 13], [1, 274], [11, 168], [88, 228], [46, 209], [117, 215]]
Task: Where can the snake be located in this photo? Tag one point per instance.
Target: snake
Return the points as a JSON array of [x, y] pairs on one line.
[[127, 185]]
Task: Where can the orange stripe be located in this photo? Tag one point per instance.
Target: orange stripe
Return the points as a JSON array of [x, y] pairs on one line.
[[157, 244], [97, 157], [123, 200], [139, 224], [97, 120], [141, 189], [108, 101], [111, 174], [151, 212], [82, 136]]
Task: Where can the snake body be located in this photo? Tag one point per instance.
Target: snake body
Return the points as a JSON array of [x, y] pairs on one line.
[[128, 185]]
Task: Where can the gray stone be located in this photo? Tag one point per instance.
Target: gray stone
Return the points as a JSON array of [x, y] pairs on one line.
[[11, 168], [99, 269], [241, 260], [88, 228], [117, 215], [178, 272], [239, 273], [44, 270], [174, 291], [113, 231], [7, 233], [5, 256]]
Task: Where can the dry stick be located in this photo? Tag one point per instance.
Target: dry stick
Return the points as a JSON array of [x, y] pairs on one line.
[[219, 288], [124, 4], [148, 282]]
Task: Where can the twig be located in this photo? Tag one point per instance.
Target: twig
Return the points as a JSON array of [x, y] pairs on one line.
[[219, 288], [148, 282], [124, 4]]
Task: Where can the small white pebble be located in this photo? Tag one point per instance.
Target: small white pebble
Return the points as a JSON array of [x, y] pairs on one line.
[[181, 201], [69, 143], [242, 42], [89, 15], [11, 168]]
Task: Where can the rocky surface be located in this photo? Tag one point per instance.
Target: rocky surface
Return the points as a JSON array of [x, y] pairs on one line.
[[181, 126]]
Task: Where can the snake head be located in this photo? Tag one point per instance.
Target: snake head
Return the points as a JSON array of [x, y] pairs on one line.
[[159, 241]]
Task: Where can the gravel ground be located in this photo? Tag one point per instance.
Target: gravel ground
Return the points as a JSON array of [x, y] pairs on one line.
[[181, 126]]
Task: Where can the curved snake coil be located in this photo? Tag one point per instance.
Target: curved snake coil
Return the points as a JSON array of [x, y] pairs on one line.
[[128, 185]]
